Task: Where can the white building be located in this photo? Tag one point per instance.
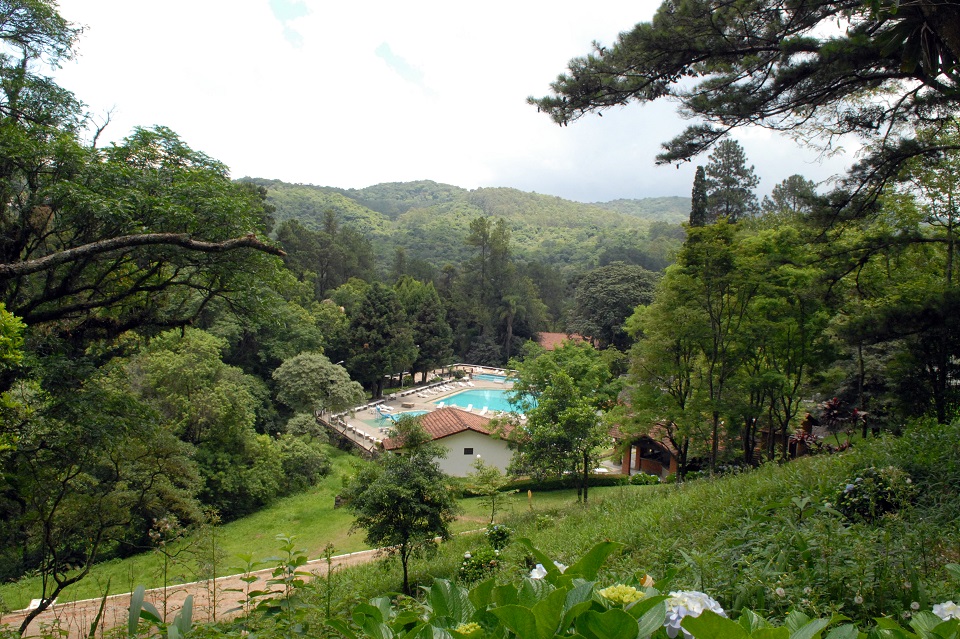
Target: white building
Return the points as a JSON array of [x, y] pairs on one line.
[[465, 436]]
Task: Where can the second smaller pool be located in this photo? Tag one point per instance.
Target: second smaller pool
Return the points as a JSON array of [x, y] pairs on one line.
[[487, 377]]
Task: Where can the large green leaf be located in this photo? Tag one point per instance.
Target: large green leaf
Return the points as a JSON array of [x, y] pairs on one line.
[[450, 600], [518, 619], [652, 619], [612, 624], [811, 629], [548, 612], [533, 590], [846, 631], [710, 625], [136, 604], [589, 565], [924, 621], [481, 595]]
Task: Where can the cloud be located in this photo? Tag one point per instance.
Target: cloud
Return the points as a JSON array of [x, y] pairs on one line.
[[353, 94], [287, 11], [402, 68]]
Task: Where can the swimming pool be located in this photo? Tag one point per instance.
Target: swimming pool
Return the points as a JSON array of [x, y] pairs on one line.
[[395, 416], [494, 400], [487, 377]]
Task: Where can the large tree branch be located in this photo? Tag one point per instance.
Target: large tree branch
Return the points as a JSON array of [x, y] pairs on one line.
[[18, 269]]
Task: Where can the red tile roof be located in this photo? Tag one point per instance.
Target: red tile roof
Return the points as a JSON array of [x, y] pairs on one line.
[[445, 422], [550, 341]]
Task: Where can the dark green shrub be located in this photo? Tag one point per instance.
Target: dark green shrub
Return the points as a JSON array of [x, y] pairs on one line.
[[498, 536], [875, 492], [304, 463], [566, 482], [644, 479], [478, 564]]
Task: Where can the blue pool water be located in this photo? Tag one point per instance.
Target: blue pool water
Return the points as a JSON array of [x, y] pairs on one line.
[[487, 377], [408, 413], [494, 400]]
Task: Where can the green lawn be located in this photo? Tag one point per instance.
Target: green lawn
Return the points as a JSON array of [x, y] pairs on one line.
[[310, 517]]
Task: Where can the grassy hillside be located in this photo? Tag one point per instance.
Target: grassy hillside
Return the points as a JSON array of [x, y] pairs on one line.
[[771, 539]]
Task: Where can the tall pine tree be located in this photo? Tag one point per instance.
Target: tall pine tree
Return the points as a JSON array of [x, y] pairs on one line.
[[698, 199], [730, 184]]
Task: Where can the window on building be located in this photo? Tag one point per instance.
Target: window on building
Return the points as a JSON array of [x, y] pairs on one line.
[[467, 451]]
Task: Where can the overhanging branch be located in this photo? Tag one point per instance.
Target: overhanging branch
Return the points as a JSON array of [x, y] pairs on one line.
[[18, 269]]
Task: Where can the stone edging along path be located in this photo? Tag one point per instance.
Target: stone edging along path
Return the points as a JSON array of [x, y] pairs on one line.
[[75, 617]]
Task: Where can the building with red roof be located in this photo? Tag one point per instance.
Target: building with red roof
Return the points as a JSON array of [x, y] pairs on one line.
[[465, 436]]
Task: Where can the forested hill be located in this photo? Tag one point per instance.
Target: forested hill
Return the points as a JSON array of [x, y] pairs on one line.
[[673, 209], [430, 221]]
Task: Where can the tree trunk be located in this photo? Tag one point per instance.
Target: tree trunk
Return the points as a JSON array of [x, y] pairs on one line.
[[404, 557], [586, 474]]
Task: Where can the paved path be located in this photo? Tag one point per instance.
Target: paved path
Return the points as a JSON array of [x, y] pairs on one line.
[[75, 617]]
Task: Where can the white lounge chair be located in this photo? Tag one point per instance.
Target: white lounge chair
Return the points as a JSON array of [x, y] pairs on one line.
[[484, 411], [441, 404], [469, 408], [469, 383]]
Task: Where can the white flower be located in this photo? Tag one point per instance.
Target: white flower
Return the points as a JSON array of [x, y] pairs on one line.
[[540, 572], [781, 592], [947, 610], [687, 603], [914, 605], [858, 600]]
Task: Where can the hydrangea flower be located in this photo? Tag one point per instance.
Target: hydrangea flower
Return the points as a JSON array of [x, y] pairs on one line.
[[947, 610], [621, 594], [685, 603], [539, 572], [468, 628]]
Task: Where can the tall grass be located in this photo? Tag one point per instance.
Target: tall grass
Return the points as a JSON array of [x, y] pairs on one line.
[[768, 539]]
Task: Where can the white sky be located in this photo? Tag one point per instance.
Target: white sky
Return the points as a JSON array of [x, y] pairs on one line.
[[354, 93]]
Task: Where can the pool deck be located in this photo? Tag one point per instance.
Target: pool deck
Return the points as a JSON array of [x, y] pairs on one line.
[[368, 425]]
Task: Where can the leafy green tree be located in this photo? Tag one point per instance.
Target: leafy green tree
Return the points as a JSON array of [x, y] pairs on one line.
[[380, 338], [665, 367], [605, 298], [211, 406], [563, 433], [783, 341], [730, 184], [86, 468], [489, 482], [164, 218], [311, 383], [404, 503], [563, 393], [11, 345], [724, 286]]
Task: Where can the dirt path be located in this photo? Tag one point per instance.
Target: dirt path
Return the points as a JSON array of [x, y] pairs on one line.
[[75, 617]]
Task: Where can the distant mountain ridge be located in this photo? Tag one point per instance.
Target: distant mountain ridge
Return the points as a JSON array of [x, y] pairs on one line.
[[430, 221]]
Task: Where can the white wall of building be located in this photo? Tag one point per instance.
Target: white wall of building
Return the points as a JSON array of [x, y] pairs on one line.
[[458, 463]]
